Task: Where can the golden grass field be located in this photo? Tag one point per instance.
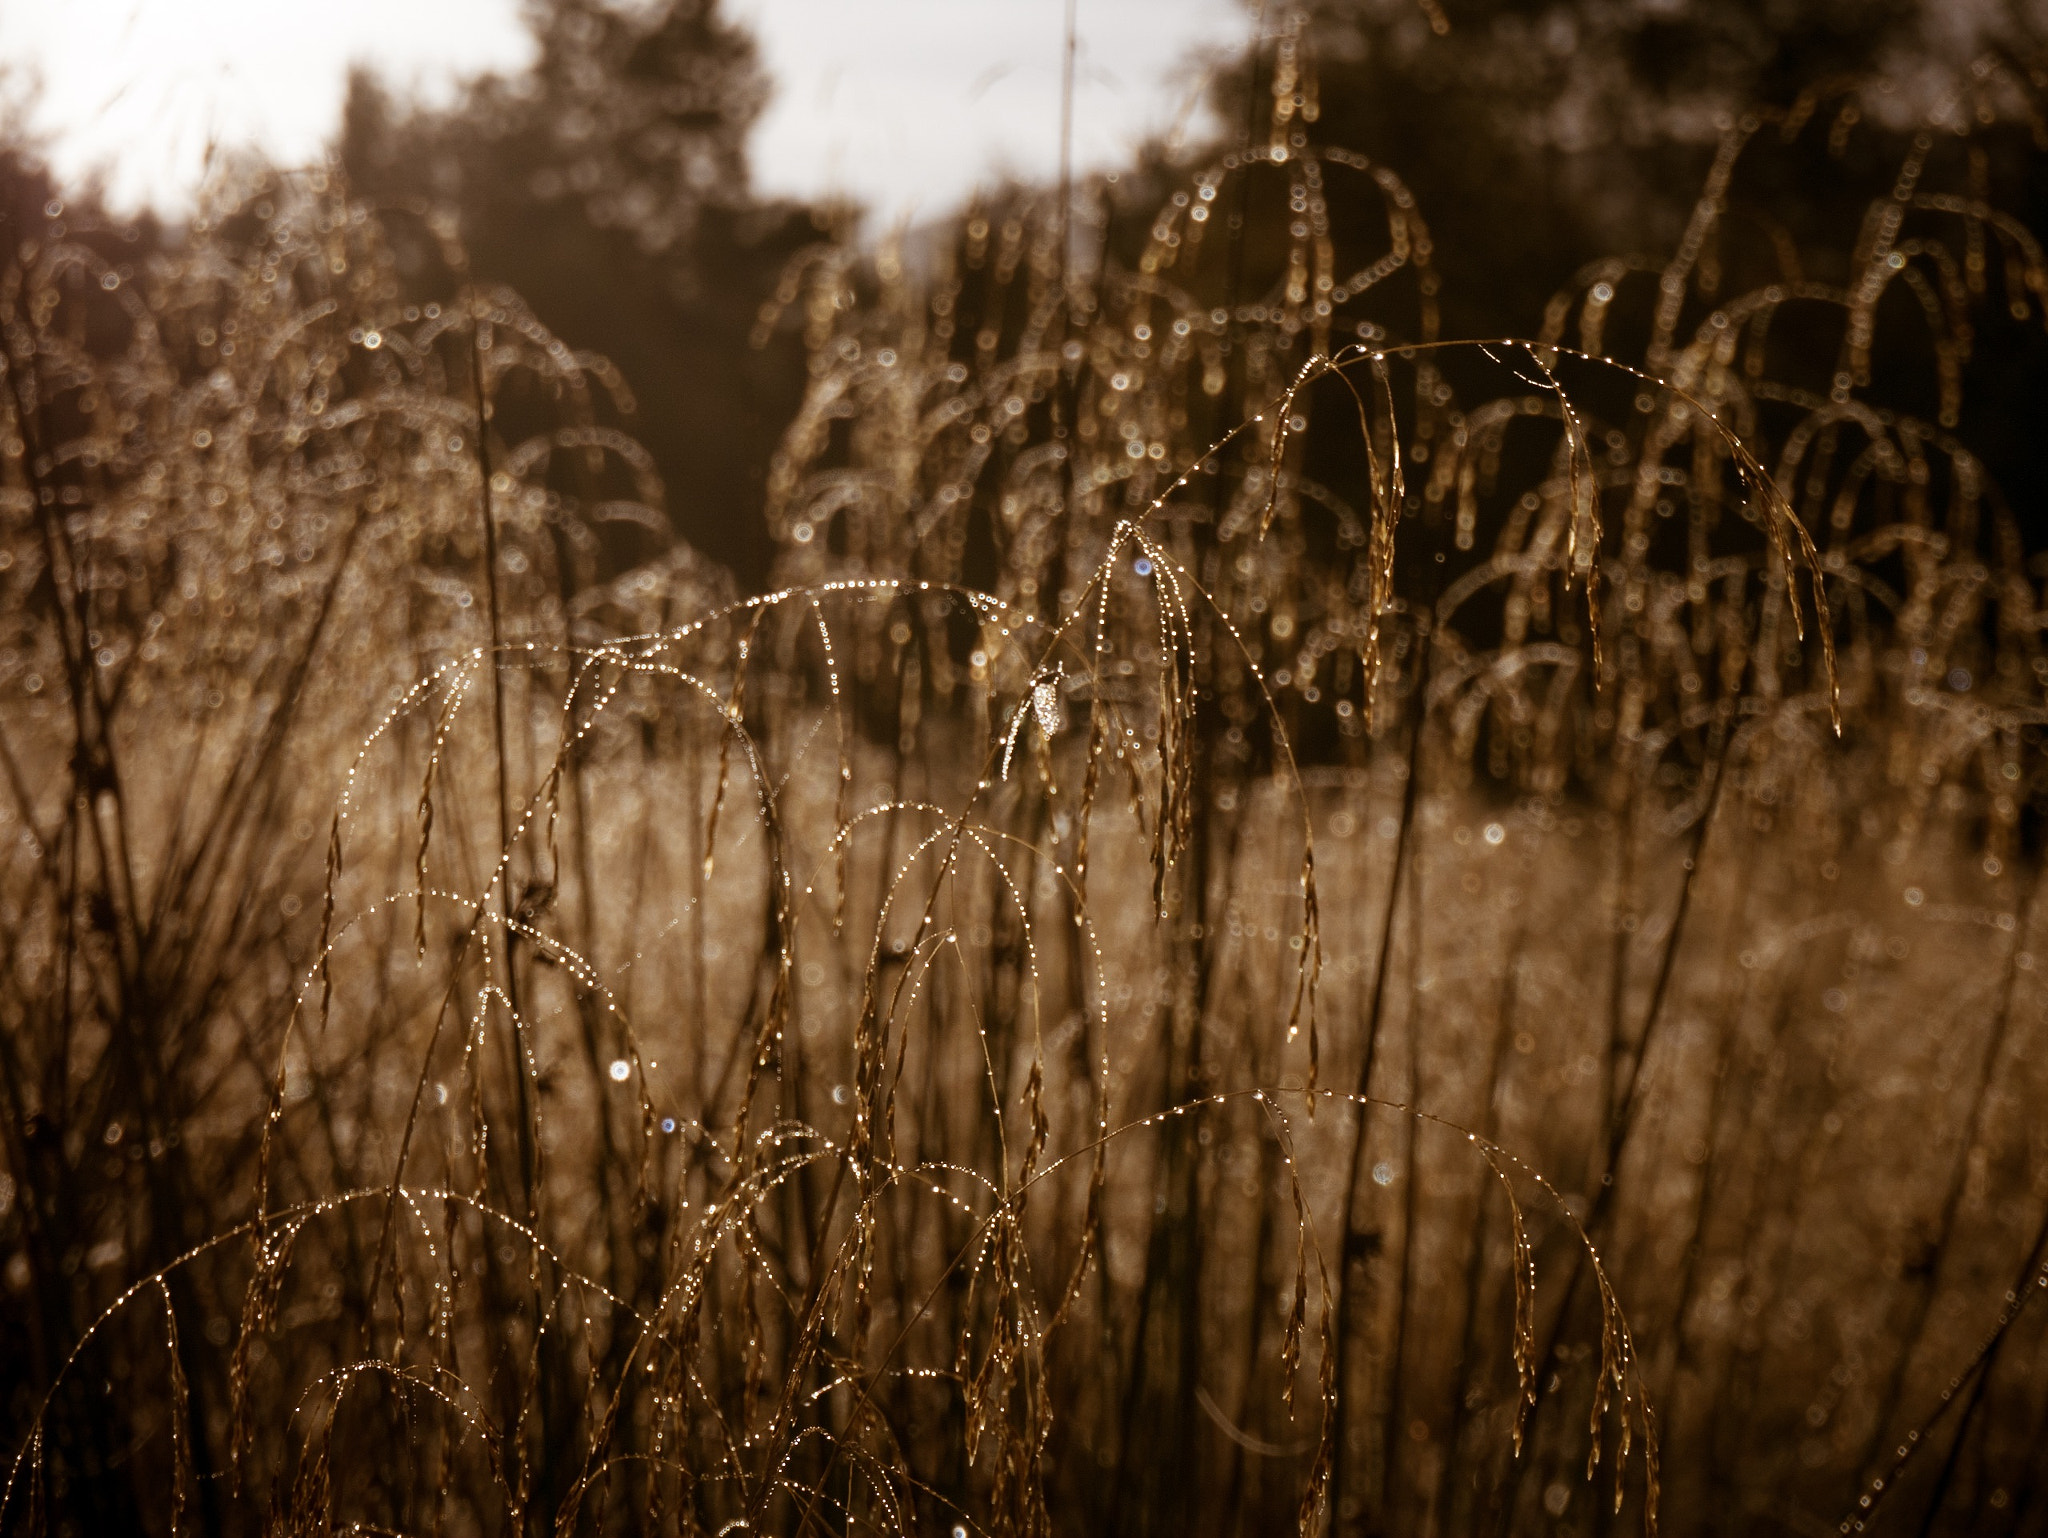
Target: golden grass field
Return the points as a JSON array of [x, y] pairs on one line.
[[1270, 927]]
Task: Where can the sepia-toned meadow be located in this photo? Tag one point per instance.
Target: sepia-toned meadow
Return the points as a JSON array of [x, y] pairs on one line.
[[1276, 920]]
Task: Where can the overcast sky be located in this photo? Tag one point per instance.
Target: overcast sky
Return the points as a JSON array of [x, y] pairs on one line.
[[902, 104]]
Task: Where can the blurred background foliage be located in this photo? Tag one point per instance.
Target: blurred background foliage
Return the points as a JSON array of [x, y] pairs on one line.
[[1540, 137], [608, 186]]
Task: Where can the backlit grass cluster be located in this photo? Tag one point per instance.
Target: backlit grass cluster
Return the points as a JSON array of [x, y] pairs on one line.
[[1281, 922]]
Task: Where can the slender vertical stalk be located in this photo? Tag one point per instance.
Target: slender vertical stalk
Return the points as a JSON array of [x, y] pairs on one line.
[[1973, 1131], [1411, 1175], [1374, 1014], [2026, 1284], [548, 1344], [1624, 1112], [1475, 1254], [1063, 214], [528, 1146]]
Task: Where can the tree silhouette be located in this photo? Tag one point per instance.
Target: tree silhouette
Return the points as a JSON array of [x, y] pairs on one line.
[[607, 185]]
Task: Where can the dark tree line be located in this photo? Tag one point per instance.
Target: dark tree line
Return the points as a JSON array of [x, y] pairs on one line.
[[608, 187], [608, 184]]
